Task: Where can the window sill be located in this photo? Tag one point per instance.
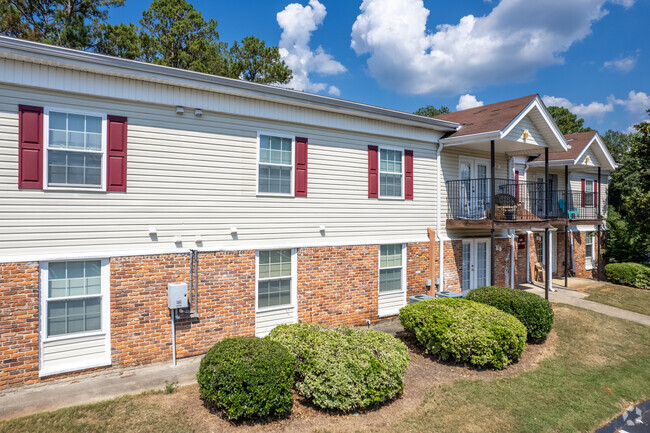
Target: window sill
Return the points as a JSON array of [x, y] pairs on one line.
[[389, 292], [74, 336], [392, 198], [74, 188], [50, 372], [270, 194]]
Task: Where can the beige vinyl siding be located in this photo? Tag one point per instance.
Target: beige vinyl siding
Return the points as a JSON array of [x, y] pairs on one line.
[[593, 160], [516, 134], [265, 321], [192, 176], [391, 302], [73, 353], [449, 161]]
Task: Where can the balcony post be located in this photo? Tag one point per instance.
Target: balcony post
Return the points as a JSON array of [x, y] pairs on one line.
[[492, 209], [547, 250], [547, 192], [566, 226], [600, 217]]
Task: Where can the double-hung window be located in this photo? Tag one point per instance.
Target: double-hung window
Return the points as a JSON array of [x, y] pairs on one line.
[[391, 173], [390, 268], [589, 193], [589, 250], [274, 283], [75, 147], [275, 165], [74, 297], [74, 319]]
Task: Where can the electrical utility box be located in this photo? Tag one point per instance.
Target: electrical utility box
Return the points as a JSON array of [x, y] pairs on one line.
[[177, 295]]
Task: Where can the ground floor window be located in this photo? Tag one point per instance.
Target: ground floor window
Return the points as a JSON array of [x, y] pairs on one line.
[[589, 250], [75, 303], [390, 268], [274, 278]]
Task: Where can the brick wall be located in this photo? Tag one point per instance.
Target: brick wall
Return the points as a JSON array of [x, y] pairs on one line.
[[453, 265], [580, 250], [18, 324], [418, 270], [336, 285]]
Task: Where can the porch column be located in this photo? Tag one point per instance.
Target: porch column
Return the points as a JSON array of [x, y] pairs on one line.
[[547, 250], [566, 226], [492, 208], [600, 217]]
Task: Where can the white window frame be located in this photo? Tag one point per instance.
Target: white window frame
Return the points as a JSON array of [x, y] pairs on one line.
[[294, 281], [589, 195], [292, 189], [589, 260], [379, 172], [403, 267], [104, 308], [46, 143]]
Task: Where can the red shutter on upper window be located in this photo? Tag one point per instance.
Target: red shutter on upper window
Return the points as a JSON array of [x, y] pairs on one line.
[[116, 155], [30, 147], [373, 172], [301, 167], [408, 174], [584, 195]]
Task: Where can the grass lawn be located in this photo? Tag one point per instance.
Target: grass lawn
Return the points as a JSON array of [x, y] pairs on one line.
[[598, 368], [627, 298]]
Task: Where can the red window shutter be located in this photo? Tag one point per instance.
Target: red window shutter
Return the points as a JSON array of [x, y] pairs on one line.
[[373, 172], [408, 174], [584, 189], [517, 185], [116, 155], [30, 147], [301, 167]]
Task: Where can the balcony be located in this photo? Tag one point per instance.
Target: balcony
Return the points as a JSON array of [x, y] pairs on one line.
[[516, 204]]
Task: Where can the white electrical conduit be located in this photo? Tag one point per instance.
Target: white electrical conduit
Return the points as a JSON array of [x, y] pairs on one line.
[[173, 337], [512, 259]]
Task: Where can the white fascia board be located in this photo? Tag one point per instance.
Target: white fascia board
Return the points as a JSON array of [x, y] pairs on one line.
[[470, 139], [555, 162], [35, 52], [537, 103], [603, 149]]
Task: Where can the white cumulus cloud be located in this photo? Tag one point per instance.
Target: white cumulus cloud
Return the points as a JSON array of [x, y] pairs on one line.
[[636, 102], [589, 110], [511, 43], [626, 64], [297, 23], [468, 101]]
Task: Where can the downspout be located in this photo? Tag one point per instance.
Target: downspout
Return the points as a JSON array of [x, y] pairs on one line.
[[441, 253], [512, 259]]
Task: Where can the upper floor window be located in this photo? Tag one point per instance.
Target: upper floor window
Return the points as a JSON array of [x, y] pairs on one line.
[[74, 149], [275, 166], [589, 193], [391, 173]]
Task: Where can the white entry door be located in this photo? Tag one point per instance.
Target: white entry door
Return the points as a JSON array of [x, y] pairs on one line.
[[476, 260], [474, 188]]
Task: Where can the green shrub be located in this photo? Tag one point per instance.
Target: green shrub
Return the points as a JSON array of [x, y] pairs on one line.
[[465, 331], [247, 377], [345, 369], [629, 274], [533, 311]]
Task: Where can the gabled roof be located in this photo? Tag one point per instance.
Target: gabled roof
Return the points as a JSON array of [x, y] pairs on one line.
[[487, 118], [579, 142], [496, 121]]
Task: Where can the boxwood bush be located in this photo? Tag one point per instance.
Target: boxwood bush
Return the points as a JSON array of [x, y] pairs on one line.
[[247, 377], [629, 274], [345, 369], [533, 311], [465, 331]]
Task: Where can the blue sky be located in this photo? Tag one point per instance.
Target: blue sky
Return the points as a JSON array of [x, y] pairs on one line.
[[588, 55]]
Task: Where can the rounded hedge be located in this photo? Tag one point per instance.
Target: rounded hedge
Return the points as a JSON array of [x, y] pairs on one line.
[[629, 274], [247, 377], [465, 331], [532, 310], [345, 369]]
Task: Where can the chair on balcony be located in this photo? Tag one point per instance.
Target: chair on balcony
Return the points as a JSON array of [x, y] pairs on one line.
[[572, 214], [505, 206]]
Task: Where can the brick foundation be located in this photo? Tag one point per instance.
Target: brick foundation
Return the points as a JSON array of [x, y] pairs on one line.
[[336, 285]]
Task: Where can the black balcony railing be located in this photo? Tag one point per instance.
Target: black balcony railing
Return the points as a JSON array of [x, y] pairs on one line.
[[523, 201]]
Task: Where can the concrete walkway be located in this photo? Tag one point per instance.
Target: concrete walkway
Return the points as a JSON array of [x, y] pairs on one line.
[[102, 386], [576, 298]]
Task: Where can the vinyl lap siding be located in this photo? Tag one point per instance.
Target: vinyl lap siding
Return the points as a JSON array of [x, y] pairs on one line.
[[73, 353], [192, 176]]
